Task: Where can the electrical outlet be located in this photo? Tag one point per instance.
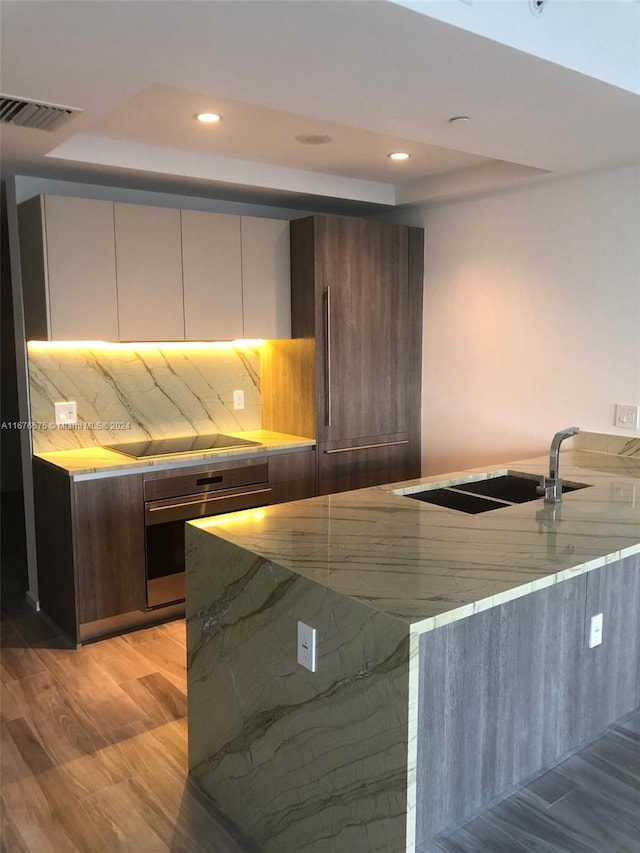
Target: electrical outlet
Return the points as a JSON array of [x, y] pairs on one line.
[[66, 413], [627, 417], [625, 492], [595, 631], [307, 646], [238, 399]]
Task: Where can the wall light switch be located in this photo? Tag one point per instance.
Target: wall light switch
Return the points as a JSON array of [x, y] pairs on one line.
[[628, 417], [238, 399], [595, 631], [307, 646], [66, 413]]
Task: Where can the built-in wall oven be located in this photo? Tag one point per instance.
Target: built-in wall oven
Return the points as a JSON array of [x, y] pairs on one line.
[[171, 501]]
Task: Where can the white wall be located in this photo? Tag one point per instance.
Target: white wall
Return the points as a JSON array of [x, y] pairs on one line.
[[532, 317], [598, 38]]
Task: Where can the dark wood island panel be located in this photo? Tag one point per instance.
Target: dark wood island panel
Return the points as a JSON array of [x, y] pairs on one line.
[[507, 693]]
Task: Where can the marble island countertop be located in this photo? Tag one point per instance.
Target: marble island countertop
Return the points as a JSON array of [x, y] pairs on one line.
[[426, 565], [98, 460]]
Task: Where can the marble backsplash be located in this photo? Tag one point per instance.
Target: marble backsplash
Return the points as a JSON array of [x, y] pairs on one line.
[[600, 442], [126, 392]]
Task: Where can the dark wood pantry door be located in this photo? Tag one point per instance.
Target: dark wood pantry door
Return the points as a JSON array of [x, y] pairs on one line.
[[362, 297]]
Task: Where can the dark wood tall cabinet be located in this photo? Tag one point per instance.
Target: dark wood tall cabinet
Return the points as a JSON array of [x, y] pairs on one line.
[[353, 374]]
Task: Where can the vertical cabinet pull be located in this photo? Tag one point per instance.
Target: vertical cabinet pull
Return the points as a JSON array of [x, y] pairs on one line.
[[327, 357]]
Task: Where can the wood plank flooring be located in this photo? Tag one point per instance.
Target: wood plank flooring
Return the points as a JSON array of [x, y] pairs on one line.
[[94, 759], [94, 746]]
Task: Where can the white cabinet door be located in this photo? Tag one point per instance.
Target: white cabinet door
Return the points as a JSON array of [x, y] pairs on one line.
[[81, 269], [95, 270], [212, 276], [266, 278], [149, 273]]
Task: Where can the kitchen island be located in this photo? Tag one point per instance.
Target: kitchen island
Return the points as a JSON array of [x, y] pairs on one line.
[[453, 658]]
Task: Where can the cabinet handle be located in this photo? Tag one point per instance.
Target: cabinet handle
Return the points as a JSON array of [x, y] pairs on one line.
[[205, 499], [367, 446], [203, 481], [327, 358]]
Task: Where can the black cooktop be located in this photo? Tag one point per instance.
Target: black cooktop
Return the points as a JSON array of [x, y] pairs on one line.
[[181, 444]]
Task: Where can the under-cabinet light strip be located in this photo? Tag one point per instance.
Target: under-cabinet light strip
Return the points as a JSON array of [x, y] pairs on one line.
[[142, 345]]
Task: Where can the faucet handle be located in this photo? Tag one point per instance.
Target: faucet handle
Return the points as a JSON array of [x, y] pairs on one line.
[[552, 490]]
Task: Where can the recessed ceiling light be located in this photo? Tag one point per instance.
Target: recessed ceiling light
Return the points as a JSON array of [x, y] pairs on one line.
[[459, 119], [313, 138], [208, 118], [399, 155]]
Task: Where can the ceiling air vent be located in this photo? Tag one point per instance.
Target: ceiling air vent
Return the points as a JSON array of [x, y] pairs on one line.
[[36, 114]]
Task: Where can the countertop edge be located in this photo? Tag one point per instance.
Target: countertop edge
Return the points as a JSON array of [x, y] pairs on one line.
[[575, 468], [423, 626], [120, 465]]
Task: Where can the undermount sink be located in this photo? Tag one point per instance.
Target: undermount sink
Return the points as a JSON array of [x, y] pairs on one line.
[[488, 494]]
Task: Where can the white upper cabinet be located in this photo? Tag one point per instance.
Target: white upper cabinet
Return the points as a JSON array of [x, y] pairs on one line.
[[98, 270], [266, 280], [68, 269], [149, 273], [236, 276], [212, 276]]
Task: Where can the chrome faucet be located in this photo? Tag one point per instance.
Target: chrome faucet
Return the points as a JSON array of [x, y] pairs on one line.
[[552, 485]]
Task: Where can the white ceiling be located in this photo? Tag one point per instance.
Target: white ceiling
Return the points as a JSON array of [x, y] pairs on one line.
[[371, 74]]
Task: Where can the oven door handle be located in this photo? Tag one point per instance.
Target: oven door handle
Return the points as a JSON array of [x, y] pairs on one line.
[[183, 510]]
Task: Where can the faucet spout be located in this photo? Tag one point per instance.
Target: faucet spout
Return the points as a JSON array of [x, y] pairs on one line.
[[557, 440], [552, 484]]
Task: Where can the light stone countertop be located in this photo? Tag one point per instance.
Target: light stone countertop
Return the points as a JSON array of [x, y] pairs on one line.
[[426, 565], [97, 461]]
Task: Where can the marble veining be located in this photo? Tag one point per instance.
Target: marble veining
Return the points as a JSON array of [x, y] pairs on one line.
[[127, 393], [622, 445], [424, 564], [290, 780]]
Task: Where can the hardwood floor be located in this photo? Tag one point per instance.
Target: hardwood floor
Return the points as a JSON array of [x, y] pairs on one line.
[[94, 759], [94, 746]]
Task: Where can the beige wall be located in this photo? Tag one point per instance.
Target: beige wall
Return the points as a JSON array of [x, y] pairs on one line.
[[532, 317]]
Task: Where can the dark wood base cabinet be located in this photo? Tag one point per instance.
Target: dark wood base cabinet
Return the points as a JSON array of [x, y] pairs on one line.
[[90, 547], [364, 462], [90, 540], [292, 476]]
